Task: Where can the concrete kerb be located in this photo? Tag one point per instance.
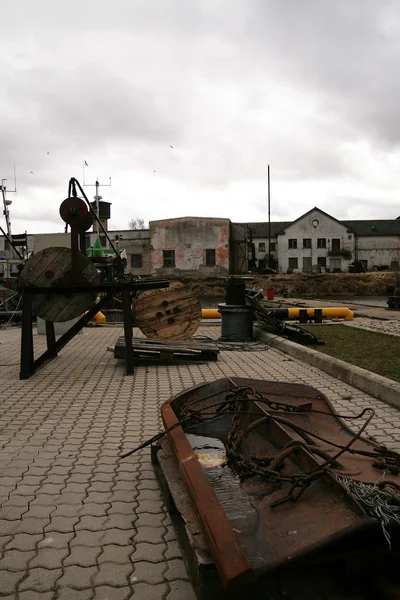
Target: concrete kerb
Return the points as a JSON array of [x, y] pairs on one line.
[[375, 385]]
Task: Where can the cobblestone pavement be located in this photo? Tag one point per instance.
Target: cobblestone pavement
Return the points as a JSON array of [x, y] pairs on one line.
[[77, 522], [391, 326]]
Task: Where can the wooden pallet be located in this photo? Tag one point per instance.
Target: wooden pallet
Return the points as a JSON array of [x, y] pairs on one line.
[[199, 563], [149, 351]]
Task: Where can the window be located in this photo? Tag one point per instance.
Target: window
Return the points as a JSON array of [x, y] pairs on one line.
[[321, 242], [336, 265], [335, 244], [307, 243], [261, 246], [272, 246], [307, 264], [293, 263], [1, 270], [13, 270], [321, 260], [292, 244], [168, 258], [210, 257], [136, 261]]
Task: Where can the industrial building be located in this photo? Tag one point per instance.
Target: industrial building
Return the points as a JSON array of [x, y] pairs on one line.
[[315, 242]]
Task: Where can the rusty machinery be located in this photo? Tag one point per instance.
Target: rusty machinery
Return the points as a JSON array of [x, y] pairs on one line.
[[61, 284]]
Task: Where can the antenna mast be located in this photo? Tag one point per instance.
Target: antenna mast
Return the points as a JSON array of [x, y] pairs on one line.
[[6, 203], [97, 198]]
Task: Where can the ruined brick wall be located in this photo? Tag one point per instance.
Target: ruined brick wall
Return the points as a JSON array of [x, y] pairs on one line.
[[190, 237]]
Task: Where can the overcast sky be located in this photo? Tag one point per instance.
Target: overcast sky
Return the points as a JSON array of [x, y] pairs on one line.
[[309, 86]]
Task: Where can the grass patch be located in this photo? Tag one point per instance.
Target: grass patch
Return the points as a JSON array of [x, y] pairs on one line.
[[377, 352]]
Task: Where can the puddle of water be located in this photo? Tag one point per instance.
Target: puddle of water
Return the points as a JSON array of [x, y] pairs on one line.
[[242, 511]]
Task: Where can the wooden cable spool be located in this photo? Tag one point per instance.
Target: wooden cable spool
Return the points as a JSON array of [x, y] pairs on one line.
[[52, 267], [172, 313]]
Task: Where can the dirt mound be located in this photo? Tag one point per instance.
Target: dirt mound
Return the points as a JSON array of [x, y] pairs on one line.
[[304, 285]]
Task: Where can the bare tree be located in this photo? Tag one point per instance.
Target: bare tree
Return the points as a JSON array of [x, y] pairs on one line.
[[137, 224]]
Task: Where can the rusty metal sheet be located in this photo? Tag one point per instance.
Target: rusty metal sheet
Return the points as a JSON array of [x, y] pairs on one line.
[[240, 521]]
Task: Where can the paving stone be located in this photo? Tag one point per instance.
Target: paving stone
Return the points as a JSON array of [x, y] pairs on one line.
[[49, 558], [15, 560], [5, 541], [114, 573], [55, 539], [40, 580], [87, 538], [150, 507], [149, 520], [176, 569], [8, 527], [79, 578], [115, 554], [118, 522], [9, 581], [181, 590], [67, 593], [119, 537], [148, 552], [149, 572], [31, 595], [173, 550], [105, 592], [94, 510], [13, 513], [43, 500], [67, 510], [33, 525], [40, 512], [83, 556], [122, 508], [152, 535], [62, 524], [18, 500], [79, 416]]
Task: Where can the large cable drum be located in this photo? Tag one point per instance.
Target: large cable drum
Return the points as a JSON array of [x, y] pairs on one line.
[[52, 268], [172, 313]]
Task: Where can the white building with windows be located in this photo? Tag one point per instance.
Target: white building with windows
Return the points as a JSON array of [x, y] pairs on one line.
[[317, 242]]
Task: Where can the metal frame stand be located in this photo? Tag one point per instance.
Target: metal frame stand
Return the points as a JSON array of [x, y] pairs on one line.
[[28, 364]]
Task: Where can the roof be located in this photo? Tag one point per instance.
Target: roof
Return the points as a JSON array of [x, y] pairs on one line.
[[374, 227], [188, 218], [260, 230]]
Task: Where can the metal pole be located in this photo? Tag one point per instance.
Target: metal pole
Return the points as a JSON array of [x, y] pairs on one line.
[[97, 207], [269, 221]]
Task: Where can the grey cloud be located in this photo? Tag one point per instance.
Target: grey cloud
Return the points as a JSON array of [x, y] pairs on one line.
[[231, 84]]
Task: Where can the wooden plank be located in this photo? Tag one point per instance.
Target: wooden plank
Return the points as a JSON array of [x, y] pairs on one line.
[[147, 350]]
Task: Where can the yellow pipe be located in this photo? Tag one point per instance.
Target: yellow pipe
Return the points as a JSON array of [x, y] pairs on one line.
[[99, 318], [328, 313], [210, 313]]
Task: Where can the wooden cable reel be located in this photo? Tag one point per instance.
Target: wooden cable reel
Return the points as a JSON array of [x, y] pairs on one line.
[[57, 267], [172, 313]]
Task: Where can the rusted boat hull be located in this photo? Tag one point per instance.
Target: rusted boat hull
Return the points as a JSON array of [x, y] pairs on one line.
[[250, 534]]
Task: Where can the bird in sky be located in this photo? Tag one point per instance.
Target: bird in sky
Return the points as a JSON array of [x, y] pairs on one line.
[[86, 163], [48, 153], [170, 146], [31, 172]]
